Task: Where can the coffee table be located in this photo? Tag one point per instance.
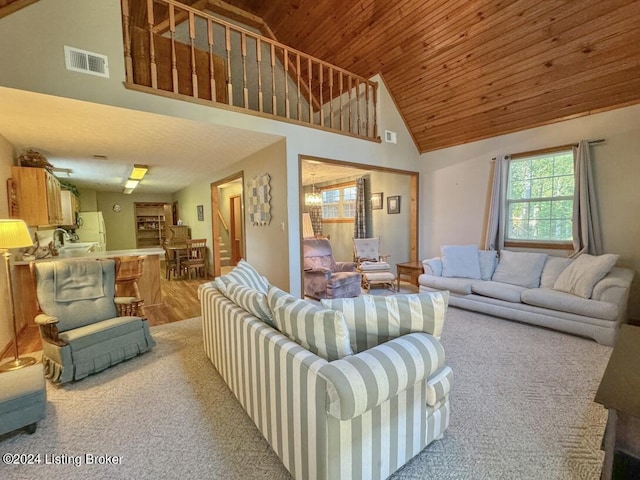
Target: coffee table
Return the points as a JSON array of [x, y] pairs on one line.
[[412, 270]]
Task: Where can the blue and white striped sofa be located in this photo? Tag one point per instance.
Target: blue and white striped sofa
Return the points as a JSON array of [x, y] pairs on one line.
[[359, 417]]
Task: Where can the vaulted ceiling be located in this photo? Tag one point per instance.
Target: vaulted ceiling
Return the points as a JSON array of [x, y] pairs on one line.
[[463, 70]]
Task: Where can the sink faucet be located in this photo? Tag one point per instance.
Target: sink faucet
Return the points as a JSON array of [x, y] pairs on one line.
[[62, 239]]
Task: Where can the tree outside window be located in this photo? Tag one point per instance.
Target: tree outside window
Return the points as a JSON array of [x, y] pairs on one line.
[[539, 201]]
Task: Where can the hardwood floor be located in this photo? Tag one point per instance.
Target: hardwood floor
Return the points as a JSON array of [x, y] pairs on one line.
[[179, 302]]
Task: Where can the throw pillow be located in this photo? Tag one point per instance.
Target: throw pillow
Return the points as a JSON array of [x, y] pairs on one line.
[[244, 274], [251, 300], [375, 319], [323, 332], [581, 276], [520, 268], [460, 261], [488, 260]]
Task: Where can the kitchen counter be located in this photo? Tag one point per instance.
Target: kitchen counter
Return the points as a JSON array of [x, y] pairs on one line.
[[26, 303], [80, 253]]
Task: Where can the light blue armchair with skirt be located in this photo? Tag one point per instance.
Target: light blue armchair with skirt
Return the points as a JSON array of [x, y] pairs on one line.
[[84, 327]]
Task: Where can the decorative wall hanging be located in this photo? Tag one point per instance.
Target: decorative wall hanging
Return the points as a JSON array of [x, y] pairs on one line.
[[376, 201], [393, 204], [200, 210], [259, 200]]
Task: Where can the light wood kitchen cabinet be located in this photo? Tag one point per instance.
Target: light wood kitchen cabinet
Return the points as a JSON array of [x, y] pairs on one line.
[[38, 196], [70, 207]]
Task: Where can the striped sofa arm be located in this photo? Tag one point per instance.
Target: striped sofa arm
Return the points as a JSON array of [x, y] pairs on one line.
[[439, 386], [363, 381]]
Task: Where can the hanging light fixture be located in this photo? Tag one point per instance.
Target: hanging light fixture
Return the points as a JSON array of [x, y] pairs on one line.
[[313, 198]]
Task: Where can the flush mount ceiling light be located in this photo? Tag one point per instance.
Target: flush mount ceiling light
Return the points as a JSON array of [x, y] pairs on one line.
[[131, 184], [138, 172]]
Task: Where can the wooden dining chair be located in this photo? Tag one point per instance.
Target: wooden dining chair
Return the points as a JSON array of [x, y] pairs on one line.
[[196, 256], [170, 261]]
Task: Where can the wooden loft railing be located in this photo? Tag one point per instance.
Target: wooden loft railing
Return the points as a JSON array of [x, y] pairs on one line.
[[178, 51]]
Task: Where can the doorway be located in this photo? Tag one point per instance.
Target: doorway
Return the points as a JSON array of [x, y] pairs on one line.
[[227, 211], [235, 231]]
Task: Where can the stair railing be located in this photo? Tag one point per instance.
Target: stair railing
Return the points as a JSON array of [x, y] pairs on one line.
[[176, 50]]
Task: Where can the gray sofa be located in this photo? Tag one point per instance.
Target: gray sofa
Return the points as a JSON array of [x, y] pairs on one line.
[[598, 317]]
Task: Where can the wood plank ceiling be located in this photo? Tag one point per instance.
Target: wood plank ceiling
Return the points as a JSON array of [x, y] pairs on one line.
[[463, 70]]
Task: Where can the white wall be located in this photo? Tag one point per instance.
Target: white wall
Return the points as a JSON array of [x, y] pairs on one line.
[[455, 184], [267, 247], [6, 161]]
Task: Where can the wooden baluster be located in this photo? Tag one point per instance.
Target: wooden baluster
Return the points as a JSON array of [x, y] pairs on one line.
[[358, 103], [274, 100], [152, 49], [259, 60], [212, 72], [309, 74], [341, 87], [192, 36], [350, 117], [126, 20], [331, 97], [320, 79], [243, 51], [174, 61], [375, 110], [227, 34], [366, 106], [287, 105], [298, 83]]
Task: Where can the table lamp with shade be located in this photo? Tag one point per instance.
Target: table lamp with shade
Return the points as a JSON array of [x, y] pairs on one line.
[[13, 234]]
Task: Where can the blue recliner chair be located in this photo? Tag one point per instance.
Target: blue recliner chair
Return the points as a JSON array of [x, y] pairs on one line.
[[84, 327]]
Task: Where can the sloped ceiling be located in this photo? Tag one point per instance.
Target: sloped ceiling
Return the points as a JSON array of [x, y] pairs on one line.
[[464, 70]]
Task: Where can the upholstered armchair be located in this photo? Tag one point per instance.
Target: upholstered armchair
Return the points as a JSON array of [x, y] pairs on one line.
[[84, 327], [373, 266], [323, 276]]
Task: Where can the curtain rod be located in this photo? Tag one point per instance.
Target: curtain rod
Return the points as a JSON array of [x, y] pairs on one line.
[[552, 149]]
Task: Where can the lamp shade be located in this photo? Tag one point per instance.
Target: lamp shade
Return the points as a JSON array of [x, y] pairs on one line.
[[307, 226], [14, 234]]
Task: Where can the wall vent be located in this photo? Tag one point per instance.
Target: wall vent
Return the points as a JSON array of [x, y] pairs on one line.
[[390, 137], [86, 62]]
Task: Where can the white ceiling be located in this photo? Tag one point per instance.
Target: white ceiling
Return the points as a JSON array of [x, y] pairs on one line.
[[70, 132]]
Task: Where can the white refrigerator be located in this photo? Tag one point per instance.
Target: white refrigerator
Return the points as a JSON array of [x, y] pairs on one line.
[[91, 229]]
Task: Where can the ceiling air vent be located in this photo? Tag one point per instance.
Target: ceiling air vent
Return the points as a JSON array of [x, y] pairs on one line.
[[86, 62]]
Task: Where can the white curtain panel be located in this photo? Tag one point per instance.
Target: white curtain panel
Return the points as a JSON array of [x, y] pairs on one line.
[[587, 236], [496, 218]]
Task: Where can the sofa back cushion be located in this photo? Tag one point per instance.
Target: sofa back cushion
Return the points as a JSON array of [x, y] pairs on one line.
[[580, 277], [460, 261], [375, 319], [323, 332], [520, 268], [243, 274], [488, 260], [553, 267]]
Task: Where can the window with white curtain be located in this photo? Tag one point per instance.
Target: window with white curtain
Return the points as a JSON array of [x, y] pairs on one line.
[[539, 199], [339, 202]]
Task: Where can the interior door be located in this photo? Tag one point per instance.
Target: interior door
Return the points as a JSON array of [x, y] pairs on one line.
[[236, 233]]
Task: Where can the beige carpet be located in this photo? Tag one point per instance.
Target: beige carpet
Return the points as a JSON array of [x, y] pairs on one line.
[[521, 409]]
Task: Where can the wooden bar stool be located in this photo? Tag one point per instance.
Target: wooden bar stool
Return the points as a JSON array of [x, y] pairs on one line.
[[128, 271]]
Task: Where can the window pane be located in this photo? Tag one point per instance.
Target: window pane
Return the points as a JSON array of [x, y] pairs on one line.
[[331, 196], [330, 210], [548, 181], [349, 194]]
